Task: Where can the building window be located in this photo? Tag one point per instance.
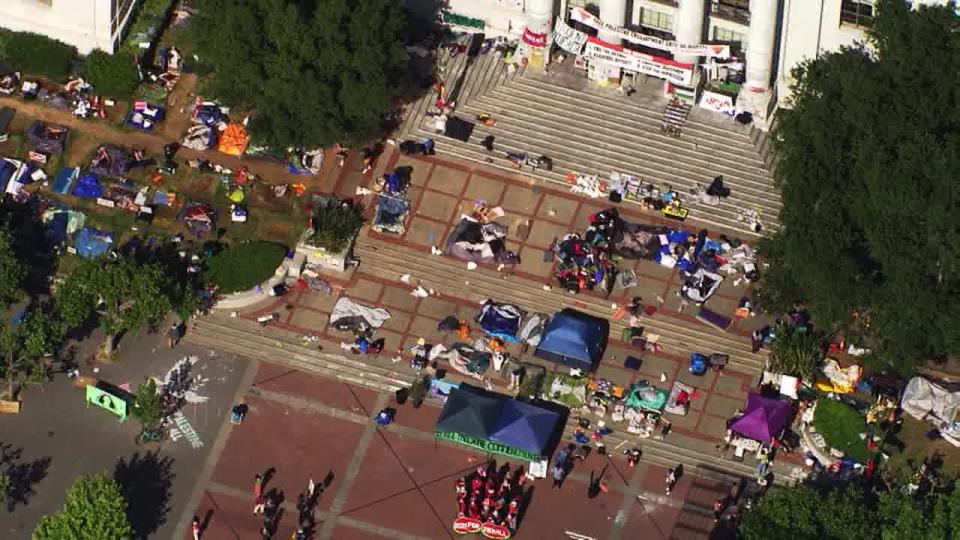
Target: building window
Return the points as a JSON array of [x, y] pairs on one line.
[[731, 10], [656, 20], [856, 12], [726, 35]]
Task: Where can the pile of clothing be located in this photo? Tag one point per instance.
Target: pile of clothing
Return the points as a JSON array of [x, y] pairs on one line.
[[479, 242]]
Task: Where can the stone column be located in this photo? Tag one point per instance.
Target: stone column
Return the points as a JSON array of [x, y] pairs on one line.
[[756, 93], [615, 13], [763, 26], [689, 26], [539, 14]]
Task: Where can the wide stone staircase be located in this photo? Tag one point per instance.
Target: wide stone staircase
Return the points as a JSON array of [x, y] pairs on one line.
[[588, 130], [270, 344], [447, 275]]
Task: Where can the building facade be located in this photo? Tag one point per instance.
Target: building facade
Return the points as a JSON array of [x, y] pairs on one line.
[[767, 37], [85, 24]]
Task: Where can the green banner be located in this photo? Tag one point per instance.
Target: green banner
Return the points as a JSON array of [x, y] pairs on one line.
[[488, 446], [105, 400], [460, 20]]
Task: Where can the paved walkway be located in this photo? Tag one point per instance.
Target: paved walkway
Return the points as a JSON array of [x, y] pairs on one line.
[[396, 482]]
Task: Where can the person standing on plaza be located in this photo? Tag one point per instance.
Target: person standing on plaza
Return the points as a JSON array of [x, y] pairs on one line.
[[671, 480], [558, 475], [195, 528], [717, 510], [259, 505], [311, 487], [257, 486]]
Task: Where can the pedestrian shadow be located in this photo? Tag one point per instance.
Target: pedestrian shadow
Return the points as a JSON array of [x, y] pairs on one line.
[[145, 480], [20, 477]]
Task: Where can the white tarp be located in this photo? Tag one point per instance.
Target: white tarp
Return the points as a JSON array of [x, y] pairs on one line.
[[346, 307], [923, 399]]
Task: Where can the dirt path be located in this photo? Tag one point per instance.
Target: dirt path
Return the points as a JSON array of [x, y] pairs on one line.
[[87, 134]]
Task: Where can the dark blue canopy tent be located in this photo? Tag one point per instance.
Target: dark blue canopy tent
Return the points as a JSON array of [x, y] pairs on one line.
[[525, 426], [574, 339]]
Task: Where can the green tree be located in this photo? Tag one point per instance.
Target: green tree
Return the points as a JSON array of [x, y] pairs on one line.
[[313, 73], [867, 168], [114, 75], [12, 271], [95, 510], [39, 55], [23, 346], [123, 295], [803, 513], [147, 409]]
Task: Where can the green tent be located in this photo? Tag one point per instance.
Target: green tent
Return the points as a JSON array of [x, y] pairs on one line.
[[644, 396]]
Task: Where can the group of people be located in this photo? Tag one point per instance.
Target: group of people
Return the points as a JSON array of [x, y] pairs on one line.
[[268, 505], [491, 496]]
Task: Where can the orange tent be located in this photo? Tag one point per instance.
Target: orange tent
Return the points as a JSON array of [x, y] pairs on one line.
[[234, 140]]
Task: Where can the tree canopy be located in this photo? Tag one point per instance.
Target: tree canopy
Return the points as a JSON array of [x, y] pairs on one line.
[[868, 156], [12, 271], [95, 509], [123, 295], [114, 75], [313, 72]]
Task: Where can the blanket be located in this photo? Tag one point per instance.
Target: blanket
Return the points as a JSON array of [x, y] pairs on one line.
[[473, 241], [348, 314], [391, 214]]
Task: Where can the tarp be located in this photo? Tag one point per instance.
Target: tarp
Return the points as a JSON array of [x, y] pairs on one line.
[[642, 395], [469, 413], [391, 214], [346, 309], [923, 397], [47, 138], [763, 418], [91, 243], [525, 426], [501, 320], [200, 137], [88, 187], [575, 339], [234, 140], [65, 179]]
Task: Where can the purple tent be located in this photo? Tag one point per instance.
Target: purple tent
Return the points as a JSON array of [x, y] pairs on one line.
[[763, 418]]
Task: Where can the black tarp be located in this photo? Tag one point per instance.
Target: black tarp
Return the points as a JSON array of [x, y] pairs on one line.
[[469, 413]]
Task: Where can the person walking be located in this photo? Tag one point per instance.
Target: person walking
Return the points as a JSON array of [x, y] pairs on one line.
[[259, 505], [671, 480], [195, 528], [173, 335], [257, 486], [557, 475], [311, 486], [717, 510]]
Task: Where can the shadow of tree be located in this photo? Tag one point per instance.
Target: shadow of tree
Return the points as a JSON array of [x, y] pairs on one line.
[[20, 477], [145, 480]]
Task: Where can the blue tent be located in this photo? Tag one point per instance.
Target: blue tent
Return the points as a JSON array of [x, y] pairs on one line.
[[575, 339], [88, 187], [92, 243], [524, 426], [469, 413]]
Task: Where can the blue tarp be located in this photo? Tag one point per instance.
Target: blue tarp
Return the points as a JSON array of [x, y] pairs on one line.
[[65, 179], [575, 339], [88, 187], [57, 229], [91, 243], [524, 426], [209, 115], [7, 170], [501, 320], [146, 119]]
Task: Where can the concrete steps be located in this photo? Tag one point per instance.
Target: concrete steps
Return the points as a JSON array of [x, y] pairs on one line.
[[448, 275], [578, 147], [249, 339]]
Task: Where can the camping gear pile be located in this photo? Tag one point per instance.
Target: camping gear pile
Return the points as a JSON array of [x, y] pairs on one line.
[[479, 238], [935, 402], [211, 126], [9, 82], [15, 174], [144, 116], [300, 161], [198, 218], [47, 138], [111, 160], [160, 78], [393, 207]]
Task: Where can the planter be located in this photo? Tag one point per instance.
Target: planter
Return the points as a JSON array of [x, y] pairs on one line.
[[317, 256]]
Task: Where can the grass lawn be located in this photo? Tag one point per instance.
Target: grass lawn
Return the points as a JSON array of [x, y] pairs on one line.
[[911, 444], [242, 266], [841, 426]]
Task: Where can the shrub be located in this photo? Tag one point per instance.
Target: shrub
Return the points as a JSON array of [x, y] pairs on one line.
[[113, 75], [797, 352], [334, 223], [243, 266], [39, 55], [841, 426]]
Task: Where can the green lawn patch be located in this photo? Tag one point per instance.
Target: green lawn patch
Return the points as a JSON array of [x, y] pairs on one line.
[[841, 426], [243, 266]]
